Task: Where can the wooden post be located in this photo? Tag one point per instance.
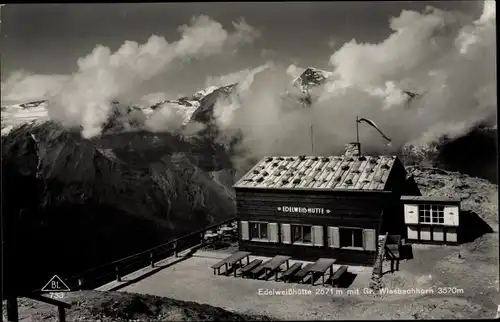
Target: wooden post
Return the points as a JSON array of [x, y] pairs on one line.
[[151, 259], [118, 277], [62, 314], [12, 311]]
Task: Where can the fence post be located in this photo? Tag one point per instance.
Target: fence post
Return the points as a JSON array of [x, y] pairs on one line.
[[118, 277], [12, 311], [151, 259], [62, 314]]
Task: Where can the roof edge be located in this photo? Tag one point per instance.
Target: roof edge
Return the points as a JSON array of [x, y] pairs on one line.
[[314, 189], [424, 199]]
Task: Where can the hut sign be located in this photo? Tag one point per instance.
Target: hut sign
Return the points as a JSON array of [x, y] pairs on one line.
[[304, 210]]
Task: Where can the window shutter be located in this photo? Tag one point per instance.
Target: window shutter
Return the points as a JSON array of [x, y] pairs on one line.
[[286, 236], [411, 214], [450, 215], [244, 230], [318, 235], [272, 229], [333, 237], [369, 239]]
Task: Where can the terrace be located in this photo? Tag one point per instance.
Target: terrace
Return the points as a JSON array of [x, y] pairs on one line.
[[189, 277]]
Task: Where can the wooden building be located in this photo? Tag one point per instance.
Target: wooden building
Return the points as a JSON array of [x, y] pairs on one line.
[[431, 219], [311, 207]]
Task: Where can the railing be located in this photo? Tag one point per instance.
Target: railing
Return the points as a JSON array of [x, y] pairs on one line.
[[390, 255], [13, 315], [117, 269]]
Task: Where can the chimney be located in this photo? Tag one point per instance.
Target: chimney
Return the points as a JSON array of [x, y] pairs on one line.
[[352, 149]]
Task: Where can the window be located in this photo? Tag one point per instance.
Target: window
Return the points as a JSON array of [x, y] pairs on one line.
[[258, 231], [301, 234], [431, 214], [351, 237]]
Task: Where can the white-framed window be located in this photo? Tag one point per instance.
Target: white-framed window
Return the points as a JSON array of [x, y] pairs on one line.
[[351, 237], [259, 231], [302, 234], [431, 214]]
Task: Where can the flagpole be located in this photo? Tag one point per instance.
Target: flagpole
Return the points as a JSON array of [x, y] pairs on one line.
[[312, 140], [357, 134], [312, 124]]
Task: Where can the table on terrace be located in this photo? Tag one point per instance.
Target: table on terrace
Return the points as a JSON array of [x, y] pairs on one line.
[[275, 263], [320, 267], [236, 258]]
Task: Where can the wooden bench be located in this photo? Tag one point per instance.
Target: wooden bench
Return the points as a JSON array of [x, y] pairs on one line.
[[288, 274], [218, 266], [257, 271], [245, 270], [303, 272], [338, 274]]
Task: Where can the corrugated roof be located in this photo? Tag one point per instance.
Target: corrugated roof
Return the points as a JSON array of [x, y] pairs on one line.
[[430, 199], [322, 173]]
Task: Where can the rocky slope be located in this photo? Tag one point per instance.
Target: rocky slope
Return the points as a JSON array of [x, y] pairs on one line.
[[475, 153], [122, 307], [82, 203]]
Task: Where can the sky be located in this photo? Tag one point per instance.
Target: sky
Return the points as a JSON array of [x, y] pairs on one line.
[[44, 39], [83, 56]]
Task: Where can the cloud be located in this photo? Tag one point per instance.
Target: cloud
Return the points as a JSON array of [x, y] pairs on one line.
[[268, 53], [167, 117], [225, 108], [83, 99], [447, 57], [22, 87], [294, 71], [153, 98], [243, 77]]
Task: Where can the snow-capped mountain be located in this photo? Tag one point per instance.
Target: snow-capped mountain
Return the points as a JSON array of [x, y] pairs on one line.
[[311, 77], [205, 112], [204, 92], [184, 106], [198, 107], [122, 116], [303, 87], [14, 115]]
